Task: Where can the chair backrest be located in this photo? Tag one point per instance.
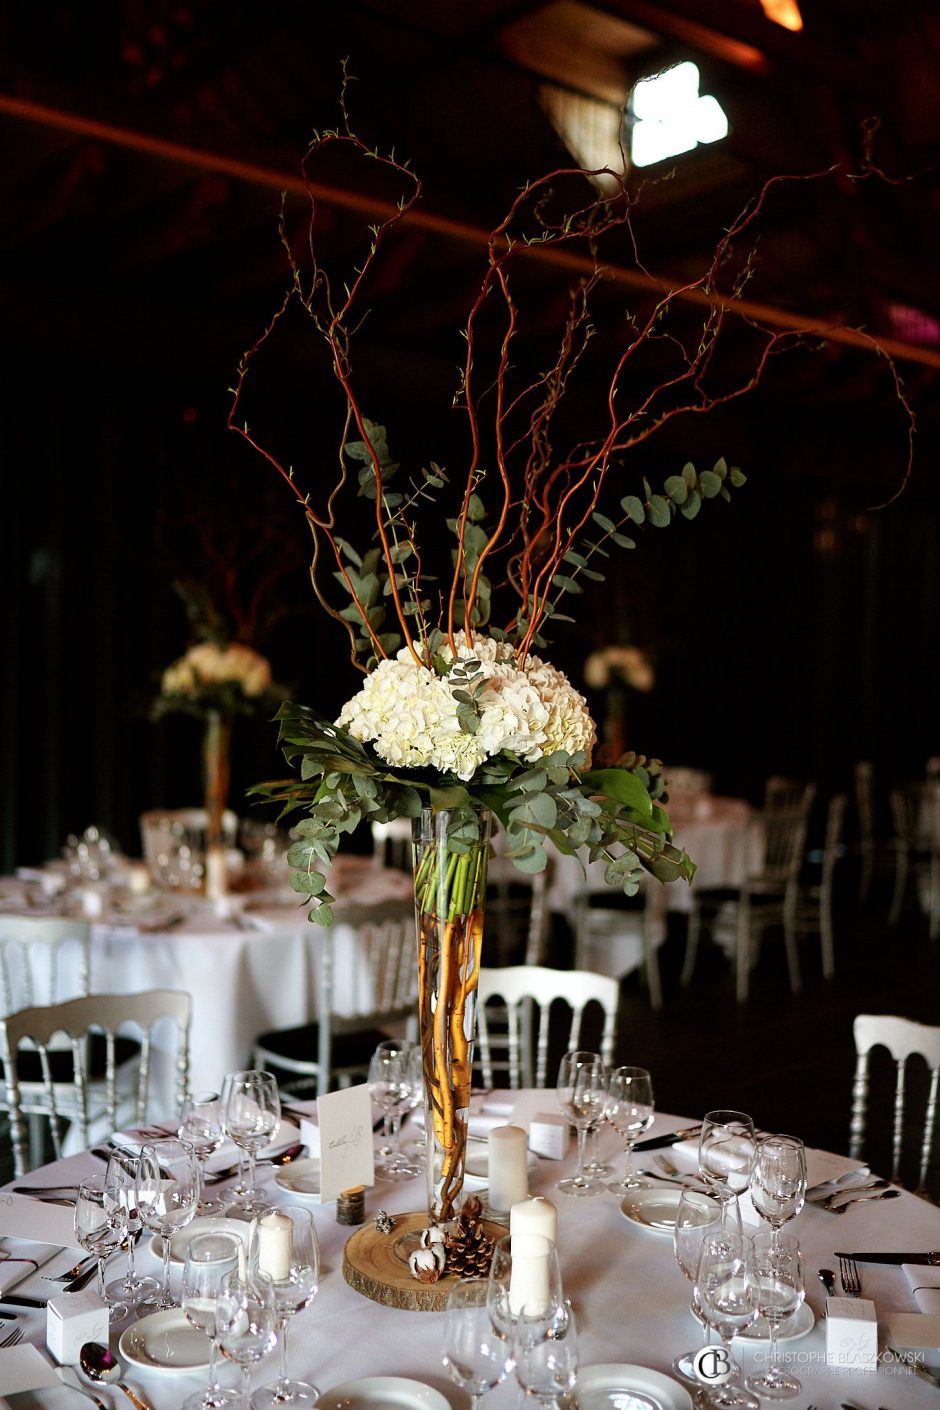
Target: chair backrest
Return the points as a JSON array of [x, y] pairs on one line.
[[623, 930], [43, 960], [832, 841], [528, 992], [783, 832], [392, 843], [865, 799], [903, 1039], [786, 793], [516, 908], [77, 1099], [915, 812]]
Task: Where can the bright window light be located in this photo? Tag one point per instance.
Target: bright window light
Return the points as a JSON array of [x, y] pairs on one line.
[[671, 116]]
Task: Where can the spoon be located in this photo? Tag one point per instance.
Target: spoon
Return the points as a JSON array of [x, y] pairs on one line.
[[69, 1376], [883, 1194], [828, 1279], [101, 1365]]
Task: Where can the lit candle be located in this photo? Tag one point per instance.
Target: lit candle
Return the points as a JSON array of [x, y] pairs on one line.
[[508, 1167], [274, 1246], [534, 1216]]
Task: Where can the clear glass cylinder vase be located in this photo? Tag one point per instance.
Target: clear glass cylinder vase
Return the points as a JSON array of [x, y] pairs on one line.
[[450, 857]]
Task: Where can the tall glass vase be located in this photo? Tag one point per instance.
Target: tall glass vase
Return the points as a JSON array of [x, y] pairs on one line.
[[216, 760], [450, 856]]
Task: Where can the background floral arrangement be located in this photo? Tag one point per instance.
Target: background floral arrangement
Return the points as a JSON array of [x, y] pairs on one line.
[[626, 665], [230, 678]]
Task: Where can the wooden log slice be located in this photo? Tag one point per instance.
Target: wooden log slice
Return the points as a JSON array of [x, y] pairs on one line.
[[376, 1265]]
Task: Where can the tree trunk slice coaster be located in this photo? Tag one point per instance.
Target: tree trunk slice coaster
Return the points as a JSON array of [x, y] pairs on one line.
[[376, 1265]]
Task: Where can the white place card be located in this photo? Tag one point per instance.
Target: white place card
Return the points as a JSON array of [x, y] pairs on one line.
[[24, 1367], [25, 1218], [346, 1153]]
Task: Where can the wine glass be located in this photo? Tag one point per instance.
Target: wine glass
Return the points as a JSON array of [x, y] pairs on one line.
[[246, 1321], [726, 1151], [284, 1248], [778, 1180], [251, 1117], [209, 1258], [696, 1216], [101, 1226], [476, 1354], [167, 1194], [629, 1109], [524, 1272], [132, 1288], [778, 1273], [389, 1088], [545, 1353], [582, 1092], [726, 1293], [201, 1125]]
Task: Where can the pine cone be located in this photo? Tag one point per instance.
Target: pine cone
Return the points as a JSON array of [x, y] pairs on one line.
[[469, 1251]]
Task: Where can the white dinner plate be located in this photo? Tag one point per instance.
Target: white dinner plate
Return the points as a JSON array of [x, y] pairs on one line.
[[652, 1208], [165, 1341], [205, 1224], [300, 1178], [628, 1387], [382, 1393]]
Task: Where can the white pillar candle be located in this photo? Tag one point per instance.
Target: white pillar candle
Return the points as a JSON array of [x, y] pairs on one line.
[[216, 873], [274, 1246], [529, 1279], [508, 1170], [534, 1216]]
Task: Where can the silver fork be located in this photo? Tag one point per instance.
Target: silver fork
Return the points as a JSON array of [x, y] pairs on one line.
[[848, 1273], [673, 1171], [75, 1271]]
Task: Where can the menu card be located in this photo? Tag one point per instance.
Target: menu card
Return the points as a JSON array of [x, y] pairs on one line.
[[346, 1150]]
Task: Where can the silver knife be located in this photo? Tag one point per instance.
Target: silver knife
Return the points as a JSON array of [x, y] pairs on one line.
[[932, 1259], [653, 1143]]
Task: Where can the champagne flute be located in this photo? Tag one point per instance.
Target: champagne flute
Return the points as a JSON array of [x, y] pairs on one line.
[[545, 1353], [697, 1215], [201, 1125], [727, 1295], [477, 1356], [285, 1249], [778, 1272], [246, 1319], [778, 1180], [167, 1194], [132, 1288], [101, 1227], [726, 1152], [629, 1109], [209, 1258], [251, 1118], [582, 1093]]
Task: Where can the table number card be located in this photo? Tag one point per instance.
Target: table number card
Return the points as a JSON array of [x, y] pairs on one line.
[[346, 1154]]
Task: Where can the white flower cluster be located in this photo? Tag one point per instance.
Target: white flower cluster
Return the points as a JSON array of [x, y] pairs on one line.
[[626, 663], [207, 665], [410, 714]]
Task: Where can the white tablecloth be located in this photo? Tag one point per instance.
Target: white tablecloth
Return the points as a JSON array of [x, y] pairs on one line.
[[630, 1299]]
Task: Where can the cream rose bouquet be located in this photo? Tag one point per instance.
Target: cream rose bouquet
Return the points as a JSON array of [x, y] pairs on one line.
[[231, 678]]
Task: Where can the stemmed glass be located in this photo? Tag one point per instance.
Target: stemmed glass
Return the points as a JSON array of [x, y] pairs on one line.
[[167, 1188], [545, 1352], [582, 1094], [778, 1180], [524, 1272], [246, 1321], [697, 1215], [289, 1255], [778, 1273], [726, 1293], [209, 1258], [101, 1226], [201, 1125], [726, 1152], [132, 1288], [476, 1355], [391, 1088], [251, 1117], [629, 1109]]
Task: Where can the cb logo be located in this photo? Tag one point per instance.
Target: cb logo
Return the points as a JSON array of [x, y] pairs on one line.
[[712, 1365]]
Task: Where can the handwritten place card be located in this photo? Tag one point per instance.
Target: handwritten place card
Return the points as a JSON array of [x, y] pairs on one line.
[[346, 1157]]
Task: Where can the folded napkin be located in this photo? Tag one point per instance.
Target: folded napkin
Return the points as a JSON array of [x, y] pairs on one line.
[[924, 1283], [20, 1258], [136, 1137], [826, 1171], [23, 1218], [22, 1368], [481, 1122], [132, 1140]]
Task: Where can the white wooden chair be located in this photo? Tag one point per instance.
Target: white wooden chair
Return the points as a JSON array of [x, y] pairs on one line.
[[336, 1046], [903, 1039], [814, 905], [608, 937], [516, 911], [915, 810], [67, 1091], [528, 992]]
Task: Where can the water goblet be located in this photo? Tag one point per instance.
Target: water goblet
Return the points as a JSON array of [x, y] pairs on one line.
[[391, 1088], [167, 1194], [524, 1271], [726, 1152], [246, 1320], [285, 1249], [201, 1125], [209, 1258], [629, 1109], [477, 1356], [251, 1117], [696, 1216], [101, 1227], [582, 1094], [778, 1180], [133, 1287], [726, 1293], [545, 1353], [778, 1273]]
